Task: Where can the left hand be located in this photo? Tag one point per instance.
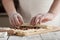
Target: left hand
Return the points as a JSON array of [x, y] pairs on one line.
[[42, 18]]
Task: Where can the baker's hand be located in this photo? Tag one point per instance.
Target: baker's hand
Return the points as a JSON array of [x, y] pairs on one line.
[[15, 19], [42, 18]]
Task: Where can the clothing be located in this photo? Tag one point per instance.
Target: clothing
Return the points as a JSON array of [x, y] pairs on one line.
[[30, 8]]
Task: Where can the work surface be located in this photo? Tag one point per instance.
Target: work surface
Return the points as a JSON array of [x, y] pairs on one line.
[[46, 36]]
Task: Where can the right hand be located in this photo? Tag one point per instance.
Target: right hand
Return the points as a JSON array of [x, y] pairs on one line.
[[15, 20]]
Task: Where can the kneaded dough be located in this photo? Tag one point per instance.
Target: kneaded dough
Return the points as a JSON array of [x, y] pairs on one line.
[[43, 29]]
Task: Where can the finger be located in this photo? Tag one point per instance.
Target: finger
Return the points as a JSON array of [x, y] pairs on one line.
[[16, 21], [20, 20], [33, 21], [39, 22], [38, 18], [12, 23]]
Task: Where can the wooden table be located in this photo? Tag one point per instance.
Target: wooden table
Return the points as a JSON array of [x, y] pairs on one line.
[[46, 36]]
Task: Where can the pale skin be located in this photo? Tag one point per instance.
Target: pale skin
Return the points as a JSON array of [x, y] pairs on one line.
[[14, 17], [54, 10], [17, 20]]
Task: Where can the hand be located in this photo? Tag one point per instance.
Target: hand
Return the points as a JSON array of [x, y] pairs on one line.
[[15, 19], [42, 18]]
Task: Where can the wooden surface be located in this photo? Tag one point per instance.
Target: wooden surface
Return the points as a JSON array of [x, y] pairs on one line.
[[46, 36]]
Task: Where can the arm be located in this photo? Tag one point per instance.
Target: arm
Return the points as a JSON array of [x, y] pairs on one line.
[[15, 18], [55, 8], [9, 6]]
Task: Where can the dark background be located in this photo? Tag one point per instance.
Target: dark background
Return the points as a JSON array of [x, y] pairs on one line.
[[2, 10]]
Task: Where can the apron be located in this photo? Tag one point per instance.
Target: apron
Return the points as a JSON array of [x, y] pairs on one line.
[[30, 8]]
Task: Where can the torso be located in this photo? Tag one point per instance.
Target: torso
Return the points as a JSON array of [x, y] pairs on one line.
[[31, 8]]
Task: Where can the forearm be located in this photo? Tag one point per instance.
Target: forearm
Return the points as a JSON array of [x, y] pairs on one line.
[[55, 8], [9, 6]]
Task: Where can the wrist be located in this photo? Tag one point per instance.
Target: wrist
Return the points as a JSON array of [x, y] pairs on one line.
[[52, 14], [11, 13]]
